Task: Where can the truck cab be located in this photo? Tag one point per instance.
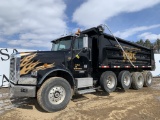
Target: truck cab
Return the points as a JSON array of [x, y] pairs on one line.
[[77, 54]]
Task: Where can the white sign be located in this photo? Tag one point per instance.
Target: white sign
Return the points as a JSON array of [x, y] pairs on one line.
[[156, 73], [5, 64]]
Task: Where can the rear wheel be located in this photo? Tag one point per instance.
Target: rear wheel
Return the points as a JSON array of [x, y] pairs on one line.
[[124, 79], [137, 80], [54, 94], [108, 81], [147, 78]]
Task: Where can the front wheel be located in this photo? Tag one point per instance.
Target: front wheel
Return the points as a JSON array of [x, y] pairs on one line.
[[54, 94]]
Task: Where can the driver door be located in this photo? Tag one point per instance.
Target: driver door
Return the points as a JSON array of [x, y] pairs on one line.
[[81, 58]]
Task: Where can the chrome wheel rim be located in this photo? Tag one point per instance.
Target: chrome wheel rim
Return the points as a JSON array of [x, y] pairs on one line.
[[56, 95], [110, 82], [140, 81], [127, 80], [149, 79]]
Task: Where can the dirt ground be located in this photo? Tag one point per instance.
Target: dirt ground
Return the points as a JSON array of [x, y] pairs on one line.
[[132, 104]]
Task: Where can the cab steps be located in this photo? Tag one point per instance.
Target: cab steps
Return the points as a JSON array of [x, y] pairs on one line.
[[86, 91]]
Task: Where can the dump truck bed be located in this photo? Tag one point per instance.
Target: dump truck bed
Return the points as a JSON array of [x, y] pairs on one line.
[[111, 54]]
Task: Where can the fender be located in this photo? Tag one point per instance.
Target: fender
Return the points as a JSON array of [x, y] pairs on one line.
[[57, 69]]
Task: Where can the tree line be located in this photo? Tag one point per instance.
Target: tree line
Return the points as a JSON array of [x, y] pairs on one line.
[[155, 45]]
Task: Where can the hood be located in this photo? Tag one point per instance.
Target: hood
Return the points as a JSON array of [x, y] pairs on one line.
[[40, 60]]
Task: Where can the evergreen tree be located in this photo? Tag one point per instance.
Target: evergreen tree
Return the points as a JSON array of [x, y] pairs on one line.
[[140, 42], [157, 44], [147, 43]]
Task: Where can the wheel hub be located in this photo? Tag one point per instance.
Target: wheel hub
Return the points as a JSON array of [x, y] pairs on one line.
[[140, 81], [56, 94], [110, 82], [126, 80], [149, 79]]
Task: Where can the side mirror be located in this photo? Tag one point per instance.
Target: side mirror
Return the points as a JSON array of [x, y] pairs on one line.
[[85, 42]]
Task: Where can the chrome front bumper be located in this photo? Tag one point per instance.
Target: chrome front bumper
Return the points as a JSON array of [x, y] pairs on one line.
[[22, 91]]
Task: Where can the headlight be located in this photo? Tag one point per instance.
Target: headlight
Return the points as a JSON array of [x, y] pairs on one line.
[[34, 73]]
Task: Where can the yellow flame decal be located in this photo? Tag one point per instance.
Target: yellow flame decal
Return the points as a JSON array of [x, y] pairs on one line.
[[28, 65], [26, 60], [43, 67]]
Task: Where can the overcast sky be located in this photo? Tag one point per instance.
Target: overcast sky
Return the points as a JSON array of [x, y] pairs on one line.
[[32, 24]]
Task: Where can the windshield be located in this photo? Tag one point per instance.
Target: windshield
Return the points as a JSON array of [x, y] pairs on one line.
[[62, 44]]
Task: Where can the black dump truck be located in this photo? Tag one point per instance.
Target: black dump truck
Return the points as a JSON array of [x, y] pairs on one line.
[[79, 64]]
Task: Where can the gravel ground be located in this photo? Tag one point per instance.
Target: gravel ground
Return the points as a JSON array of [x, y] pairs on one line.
[[132, 104]]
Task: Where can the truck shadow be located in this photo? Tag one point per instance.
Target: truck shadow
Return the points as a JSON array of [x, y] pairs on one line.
[[31, 103], [26, 103], [100, 93], [119, 90]]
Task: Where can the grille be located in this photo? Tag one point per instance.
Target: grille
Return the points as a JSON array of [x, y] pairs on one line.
[[14, 68]]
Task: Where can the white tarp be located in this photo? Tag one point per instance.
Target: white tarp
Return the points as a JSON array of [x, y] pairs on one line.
[[5, 64], [156, 73]]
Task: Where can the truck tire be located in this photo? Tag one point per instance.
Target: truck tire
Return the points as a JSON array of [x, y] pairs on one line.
[[137, 80], [108, 81], [54, 94], [147, 78], [124, 79]]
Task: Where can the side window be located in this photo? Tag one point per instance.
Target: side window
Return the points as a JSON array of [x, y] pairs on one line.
[[78, 43]]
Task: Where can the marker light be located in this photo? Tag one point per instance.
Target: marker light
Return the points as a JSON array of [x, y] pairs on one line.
[[78, 32]]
